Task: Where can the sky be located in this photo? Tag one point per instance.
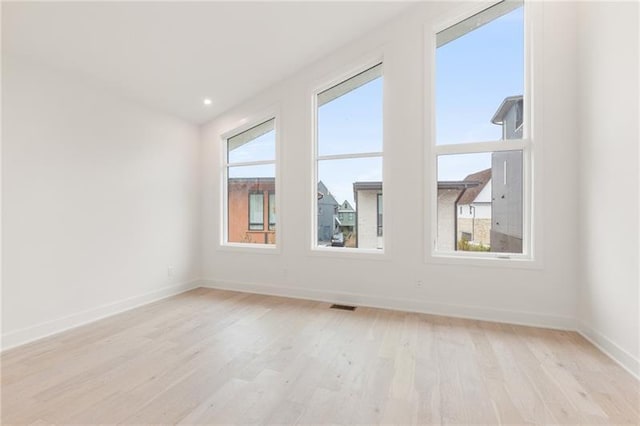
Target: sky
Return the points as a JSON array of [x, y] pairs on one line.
[[351, 124], [474, 73]]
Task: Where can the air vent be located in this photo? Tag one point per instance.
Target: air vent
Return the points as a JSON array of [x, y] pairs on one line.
[[343, 307]]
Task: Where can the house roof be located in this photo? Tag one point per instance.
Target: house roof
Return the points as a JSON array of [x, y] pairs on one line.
[[359, 186], [325, 195], [481, 179], [266, 182], [346, 207], [442, 184], [456, 184], [504, 108]]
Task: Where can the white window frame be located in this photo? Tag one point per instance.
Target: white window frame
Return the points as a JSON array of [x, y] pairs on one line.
[[342, 252], [532, 236], [244, 125]]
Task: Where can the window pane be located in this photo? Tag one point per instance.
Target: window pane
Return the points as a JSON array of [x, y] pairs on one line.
[[255, 144], [248, 189], [350, 115], [480, 77], [349, 189], [480, 202]]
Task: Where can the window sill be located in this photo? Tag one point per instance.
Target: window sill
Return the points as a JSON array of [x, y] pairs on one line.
[[350, 253], [249, 248], [488, 261]]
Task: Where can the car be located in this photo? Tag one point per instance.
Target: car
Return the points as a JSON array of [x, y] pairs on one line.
[[337, 240]]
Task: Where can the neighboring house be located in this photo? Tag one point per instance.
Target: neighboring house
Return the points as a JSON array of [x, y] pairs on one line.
[[473, 210], [507, 185], [252, 210], [448, 194], [347, 218], [369, 230], [510, 116], [328, 222]]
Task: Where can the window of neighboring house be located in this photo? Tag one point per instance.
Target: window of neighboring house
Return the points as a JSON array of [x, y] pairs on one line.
[[481, 134], [348, 156], [256, 211], [379, 215], [272, 211], [250, 172]]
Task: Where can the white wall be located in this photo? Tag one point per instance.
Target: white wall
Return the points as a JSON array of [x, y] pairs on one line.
[[608, 181], [100, 196], [544, 295]]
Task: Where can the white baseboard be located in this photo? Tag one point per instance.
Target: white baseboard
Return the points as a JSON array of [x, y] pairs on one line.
[[39, 331], [401, 304], [623, 358], [612, 350]]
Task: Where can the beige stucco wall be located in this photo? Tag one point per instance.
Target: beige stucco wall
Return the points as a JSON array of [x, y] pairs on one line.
[[446, 218], [367, 204], [480, 229]]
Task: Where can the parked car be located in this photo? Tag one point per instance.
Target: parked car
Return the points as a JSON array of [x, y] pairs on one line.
[[337, 240]]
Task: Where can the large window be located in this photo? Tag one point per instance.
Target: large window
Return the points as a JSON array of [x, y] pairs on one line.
[[348, 159], [482, 142], [250, 171]]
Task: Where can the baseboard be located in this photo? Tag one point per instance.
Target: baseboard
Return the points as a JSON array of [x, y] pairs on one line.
[[623, 358], [401, 304], [39, 331]]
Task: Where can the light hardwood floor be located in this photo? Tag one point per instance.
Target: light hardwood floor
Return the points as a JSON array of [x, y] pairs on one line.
[[210, 356]]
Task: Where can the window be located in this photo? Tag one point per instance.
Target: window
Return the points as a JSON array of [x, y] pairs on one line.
[[250, 168], [256, 211], [272, 211], [481, 141], [348, 159]]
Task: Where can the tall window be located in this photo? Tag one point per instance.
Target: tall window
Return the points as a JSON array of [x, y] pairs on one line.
[[482, 134], [250, 185], [349, 161]]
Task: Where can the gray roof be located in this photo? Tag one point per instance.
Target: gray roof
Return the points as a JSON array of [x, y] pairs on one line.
[[359, 186], [481, 179], [505, 107], [442, 184], [346, 207], [456, 184]]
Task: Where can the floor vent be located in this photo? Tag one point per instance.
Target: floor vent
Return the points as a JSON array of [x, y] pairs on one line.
[[344, 307]]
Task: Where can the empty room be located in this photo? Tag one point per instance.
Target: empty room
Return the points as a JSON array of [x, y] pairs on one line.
[[320, 212]]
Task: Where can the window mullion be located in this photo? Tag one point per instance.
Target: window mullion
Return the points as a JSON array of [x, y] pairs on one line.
[[479, 147], [250, 163], [349, 156]]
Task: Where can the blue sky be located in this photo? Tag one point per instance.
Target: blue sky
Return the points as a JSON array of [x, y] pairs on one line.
[[474, 73], [351, 124]]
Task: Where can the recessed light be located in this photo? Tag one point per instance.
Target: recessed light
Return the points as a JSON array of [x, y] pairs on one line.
[[207, 101]]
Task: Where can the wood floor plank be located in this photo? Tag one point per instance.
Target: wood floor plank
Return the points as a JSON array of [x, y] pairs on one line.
[[222, 357]]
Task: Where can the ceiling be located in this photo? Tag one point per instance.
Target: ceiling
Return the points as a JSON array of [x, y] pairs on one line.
[[171, 55]]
